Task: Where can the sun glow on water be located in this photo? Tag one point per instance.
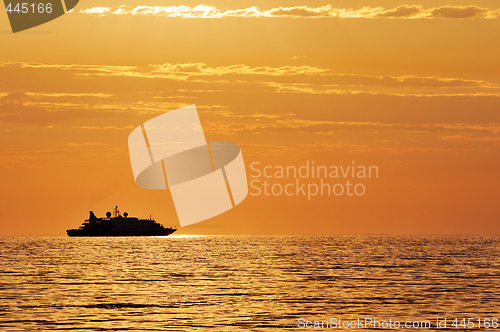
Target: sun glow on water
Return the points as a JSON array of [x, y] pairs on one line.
[[181, 236]]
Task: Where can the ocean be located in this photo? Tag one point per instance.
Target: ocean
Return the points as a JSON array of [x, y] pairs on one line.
[[240, 283]]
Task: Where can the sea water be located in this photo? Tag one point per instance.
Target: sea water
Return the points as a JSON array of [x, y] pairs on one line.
[[231, 283]]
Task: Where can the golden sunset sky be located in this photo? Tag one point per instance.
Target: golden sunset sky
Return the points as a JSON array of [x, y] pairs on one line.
[[412, 87]]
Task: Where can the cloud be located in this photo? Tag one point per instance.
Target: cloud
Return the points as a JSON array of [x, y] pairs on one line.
[[459, 12], [299, 11], [64, 94], [73, 144], [290, 122], [19, 105], [327, 11], [75, 67], [470, 138], [17, 97], [103, 103], [289, 74], [98, 11], [191, 69], [402, 11], [106, 127], [286, 78], [100, 81]]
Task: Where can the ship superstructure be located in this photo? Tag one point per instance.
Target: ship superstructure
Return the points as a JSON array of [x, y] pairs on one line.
[[118, 225]]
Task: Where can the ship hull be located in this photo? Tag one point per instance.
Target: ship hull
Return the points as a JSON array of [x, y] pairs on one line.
[[89, 233]]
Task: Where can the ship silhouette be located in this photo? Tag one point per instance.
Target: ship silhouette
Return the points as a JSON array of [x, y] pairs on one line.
[[119, 225]]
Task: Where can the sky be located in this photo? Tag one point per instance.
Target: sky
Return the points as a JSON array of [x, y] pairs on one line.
[[412, 87]]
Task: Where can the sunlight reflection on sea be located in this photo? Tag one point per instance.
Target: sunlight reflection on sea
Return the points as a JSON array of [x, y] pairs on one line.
[[229, 283]]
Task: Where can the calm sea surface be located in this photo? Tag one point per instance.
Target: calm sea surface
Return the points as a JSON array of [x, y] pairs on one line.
[[231, 283]]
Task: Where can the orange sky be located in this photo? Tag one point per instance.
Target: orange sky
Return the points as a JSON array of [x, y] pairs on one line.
[[413, 88]]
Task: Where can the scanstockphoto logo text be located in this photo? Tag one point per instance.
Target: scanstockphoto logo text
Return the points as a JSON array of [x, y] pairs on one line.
[[311, 180]]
